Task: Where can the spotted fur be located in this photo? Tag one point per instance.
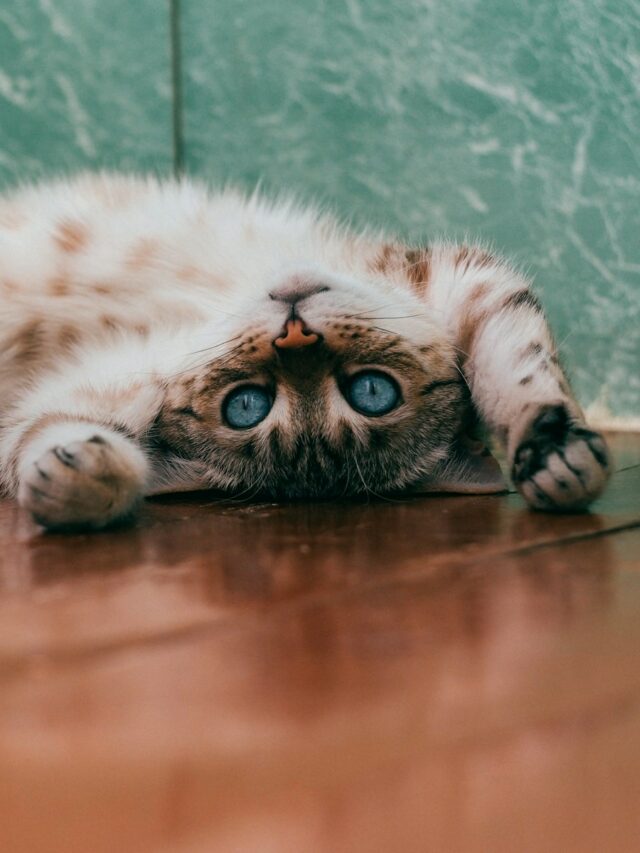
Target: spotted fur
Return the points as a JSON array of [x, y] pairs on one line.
[[131, 307]]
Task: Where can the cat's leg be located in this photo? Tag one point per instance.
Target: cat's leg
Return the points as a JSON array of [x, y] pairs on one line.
[[69, 450], [510, 361]]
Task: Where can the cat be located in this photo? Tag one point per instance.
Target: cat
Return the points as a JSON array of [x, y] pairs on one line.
[[157, 336]]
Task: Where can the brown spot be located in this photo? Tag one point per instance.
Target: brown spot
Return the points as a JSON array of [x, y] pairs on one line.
[[386, 258], [564, 387], [534, 348], [467, 257], [141, 329], [68, 336], [525, 380], [418, 268], [71, 236], [482, 259], [414, 263], [188, 273], [196, 274], [12, 219], [104, 288], [9, 285], [28, 341], [143, 253], [58, 286], [112, 398], [109, 322], [521, 298], [461, 255], [193, 273]]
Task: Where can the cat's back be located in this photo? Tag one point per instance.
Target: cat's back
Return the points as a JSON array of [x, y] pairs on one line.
[[84, 257], [102, 252], [98, 233]]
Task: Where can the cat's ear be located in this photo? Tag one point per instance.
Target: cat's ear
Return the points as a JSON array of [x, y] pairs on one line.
[[469, 469]]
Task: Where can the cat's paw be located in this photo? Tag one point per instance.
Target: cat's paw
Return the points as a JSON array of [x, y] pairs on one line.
[[81, 475], [558, 464]]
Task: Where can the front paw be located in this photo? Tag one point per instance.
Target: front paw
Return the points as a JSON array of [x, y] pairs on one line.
[[81, 475], [559, 465]]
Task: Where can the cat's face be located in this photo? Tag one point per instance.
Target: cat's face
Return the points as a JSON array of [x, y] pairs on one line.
[[318, 386]]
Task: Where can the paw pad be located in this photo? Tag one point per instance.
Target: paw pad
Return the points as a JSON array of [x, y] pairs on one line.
[[559, 464], [81, 480]]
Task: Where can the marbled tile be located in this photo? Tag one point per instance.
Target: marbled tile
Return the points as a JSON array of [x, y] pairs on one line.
[[515, 122], [83, 84]]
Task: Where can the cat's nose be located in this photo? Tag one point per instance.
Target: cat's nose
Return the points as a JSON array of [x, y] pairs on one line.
[[295, 336], [291, 294]]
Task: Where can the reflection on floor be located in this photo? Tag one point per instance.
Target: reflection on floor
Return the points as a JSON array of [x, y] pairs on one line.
[[440, 674]]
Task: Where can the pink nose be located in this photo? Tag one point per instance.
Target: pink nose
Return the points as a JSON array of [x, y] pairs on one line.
[[295, 336]]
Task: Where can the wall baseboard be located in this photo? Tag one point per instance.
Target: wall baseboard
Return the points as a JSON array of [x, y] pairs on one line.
[[600, 417]]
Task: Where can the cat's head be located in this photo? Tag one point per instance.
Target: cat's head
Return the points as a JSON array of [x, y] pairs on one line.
[[318, 386]]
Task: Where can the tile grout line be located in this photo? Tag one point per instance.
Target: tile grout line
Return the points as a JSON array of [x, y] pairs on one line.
[[177, 103]]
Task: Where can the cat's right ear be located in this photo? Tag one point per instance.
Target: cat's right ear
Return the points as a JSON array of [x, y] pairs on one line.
[[470, 469]]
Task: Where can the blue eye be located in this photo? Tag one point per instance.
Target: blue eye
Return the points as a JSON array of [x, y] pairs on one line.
[[373, 393], [246, 406]]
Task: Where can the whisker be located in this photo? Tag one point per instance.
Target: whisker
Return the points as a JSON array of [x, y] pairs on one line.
[[565, 339], [215, 346], [464, 378], [347, 486], [199, 363], [459, 349], [390, 317], [362, 479], [254, 489], [384, 307], [368, 489], [383, 329]]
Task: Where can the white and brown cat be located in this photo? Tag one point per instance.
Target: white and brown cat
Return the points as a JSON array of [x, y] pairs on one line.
[[158, 336]]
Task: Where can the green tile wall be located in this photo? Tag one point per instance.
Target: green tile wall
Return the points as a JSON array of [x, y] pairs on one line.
[[83, 83], [515, 122]]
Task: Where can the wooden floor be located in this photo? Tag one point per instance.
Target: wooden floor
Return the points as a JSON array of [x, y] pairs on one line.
[[441, 674]]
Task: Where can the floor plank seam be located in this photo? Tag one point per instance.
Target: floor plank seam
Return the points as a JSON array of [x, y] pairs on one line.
[[627, 468], [568, 539]]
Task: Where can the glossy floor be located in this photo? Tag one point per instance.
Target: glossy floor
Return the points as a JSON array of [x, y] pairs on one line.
[[441, 674]]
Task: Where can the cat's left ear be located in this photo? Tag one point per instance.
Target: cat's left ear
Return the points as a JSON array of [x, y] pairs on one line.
[[470, 469]]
